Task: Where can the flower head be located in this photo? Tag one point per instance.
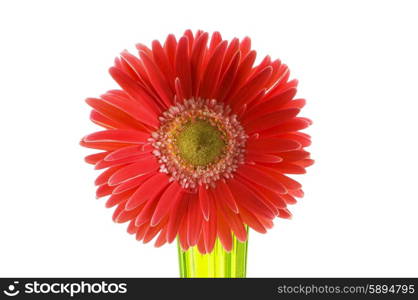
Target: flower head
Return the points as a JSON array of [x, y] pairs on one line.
[[198, 141]]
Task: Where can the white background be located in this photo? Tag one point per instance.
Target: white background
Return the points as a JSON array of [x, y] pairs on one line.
[[357, 66]]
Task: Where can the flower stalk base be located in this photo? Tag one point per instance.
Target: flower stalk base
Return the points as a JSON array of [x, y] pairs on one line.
[[217, 264]]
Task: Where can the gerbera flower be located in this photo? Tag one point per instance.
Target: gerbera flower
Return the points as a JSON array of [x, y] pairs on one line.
[[197, 141]]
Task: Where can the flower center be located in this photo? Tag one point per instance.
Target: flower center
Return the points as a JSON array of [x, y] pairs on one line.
[[199, 143]]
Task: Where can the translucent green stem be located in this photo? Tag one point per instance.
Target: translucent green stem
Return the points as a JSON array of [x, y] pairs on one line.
[[217, 264]]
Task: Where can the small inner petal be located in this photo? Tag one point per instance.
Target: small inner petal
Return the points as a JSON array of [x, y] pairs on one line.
[[199, 142]]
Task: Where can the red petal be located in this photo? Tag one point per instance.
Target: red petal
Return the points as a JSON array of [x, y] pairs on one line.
[[118, 211], [245, 45], [297, 103], [296, 193], [232, 50], [254, 174], [276, 73], [300, 137], [250, 89], [247, 198], [179, 90], [288, 182], [257, 98], [290, 168], [270, 105], [142, 230], [118, 135], [144, 216], [103, 121], [251, 220], [287, 126], [294, 155], [209, 230], [285, 214], [176, 216], [224, 233], [139, 168], [305, 163], [168, 200], [183, 69], [225, 83], [127, 68], [281, 79], [142, 79], [272, 145], [134, 109], [162, 238], [204, 200], [132, 159], [119, 198], [194, 220], [135, 90], [264, 197], [242, 73], [170, 47], [102, 178], [114, 113], [263, 64], [215, 40], [234, 221], [103, 146], [273, 197], [212, 72], [153, 231], [132, 229], [201, 246], [148, 190], [270, 120], [190, 38], [182, 236], [288, 199], [128, 215], [94, 158], [143, 48], [267, 223], [283, 84], [129, 151], [104, 190], [223, 192], [161, 60], [131, 184], [263, 158], [198, 53], [157, 79]]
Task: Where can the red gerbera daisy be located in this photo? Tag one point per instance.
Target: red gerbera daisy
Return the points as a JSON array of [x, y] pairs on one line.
[[198, 141]]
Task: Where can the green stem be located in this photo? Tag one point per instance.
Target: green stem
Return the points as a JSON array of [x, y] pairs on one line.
[[217, 264]]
